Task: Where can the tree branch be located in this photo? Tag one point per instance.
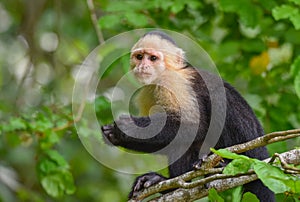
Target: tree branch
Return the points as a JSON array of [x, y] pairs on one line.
[[214, 159], [189, 191], [198, 192]]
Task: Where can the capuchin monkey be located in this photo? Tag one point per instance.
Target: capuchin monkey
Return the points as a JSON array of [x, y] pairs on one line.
[[185, 108]]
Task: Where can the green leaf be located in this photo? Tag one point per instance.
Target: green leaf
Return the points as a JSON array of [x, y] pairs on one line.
[[255, 102], [16, 123], [248, 12], [102, 103], [214, 196], [165, 5], [119, 6], [49, 139], [194, 4], [292, 36], [58, 184], [295, 19], [54, 174], [135, 19], [69, 182], [237, 194], [42, 124], [270, 4], [224, 153], [51, 184], [46, 166], [297, 84], [229, 6], [109, 21], [129, 5], [275, 179], [295, 68], [52, 161], [295, 1], [271, 176], [177, 6], [250, 15], [296, 197], [283, 12], [248, 196], [238, 166], [255, 45], [57, 158]]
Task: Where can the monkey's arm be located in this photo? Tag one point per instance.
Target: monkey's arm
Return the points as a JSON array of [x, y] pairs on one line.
[[131, 132], [116, 134]]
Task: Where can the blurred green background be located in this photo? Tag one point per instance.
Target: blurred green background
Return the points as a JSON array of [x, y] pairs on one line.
[[255, 45]]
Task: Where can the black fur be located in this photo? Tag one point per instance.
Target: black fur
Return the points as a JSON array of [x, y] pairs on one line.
[[241, 125]]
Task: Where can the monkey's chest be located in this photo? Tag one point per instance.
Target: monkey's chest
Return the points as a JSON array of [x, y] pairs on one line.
[[155, 101]]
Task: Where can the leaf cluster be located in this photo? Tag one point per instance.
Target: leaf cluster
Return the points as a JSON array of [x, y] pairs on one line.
[[271, 175]]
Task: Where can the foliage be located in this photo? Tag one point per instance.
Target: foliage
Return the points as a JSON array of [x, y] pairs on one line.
[[290, 12], [255, 45], [213, 196], [272, 176], [249, 197], [55, 175]]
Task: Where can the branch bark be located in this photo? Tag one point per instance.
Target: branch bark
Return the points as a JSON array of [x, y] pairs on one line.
[[190, 191], [214, 159]]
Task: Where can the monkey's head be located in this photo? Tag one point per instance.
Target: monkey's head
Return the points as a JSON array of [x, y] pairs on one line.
[[154, 54]]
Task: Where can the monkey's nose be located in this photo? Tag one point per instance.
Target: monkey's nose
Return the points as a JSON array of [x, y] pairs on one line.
[[143, 69]]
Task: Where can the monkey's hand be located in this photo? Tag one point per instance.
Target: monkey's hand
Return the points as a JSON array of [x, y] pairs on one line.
[[109, 135], [145, 181], [114, 133], [197, 165]]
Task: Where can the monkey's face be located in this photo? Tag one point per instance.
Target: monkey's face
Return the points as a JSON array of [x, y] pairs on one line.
[[147, 65]]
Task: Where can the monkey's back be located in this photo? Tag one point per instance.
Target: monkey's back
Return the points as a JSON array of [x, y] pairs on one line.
[[241, 125]]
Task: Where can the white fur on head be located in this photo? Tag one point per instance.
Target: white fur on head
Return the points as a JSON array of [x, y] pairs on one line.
[[161, 42]]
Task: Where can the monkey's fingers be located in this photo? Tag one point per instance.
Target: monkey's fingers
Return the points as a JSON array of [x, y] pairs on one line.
[[108, 134], [145, 181], [197, 165], [106, 129]]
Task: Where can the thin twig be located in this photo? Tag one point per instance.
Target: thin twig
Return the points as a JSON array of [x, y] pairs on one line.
[[284, 137], [285, 165], [212, 178], [286, 132], [27, 71], [100, 37], [94, 19]]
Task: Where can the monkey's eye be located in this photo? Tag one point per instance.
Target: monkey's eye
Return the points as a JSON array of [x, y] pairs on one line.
[[139, 56], [153, 58]]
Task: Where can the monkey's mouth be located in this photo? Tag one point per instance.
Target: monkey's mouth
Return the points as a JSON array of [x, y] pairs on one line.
[[143, 77], [142, 74]]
